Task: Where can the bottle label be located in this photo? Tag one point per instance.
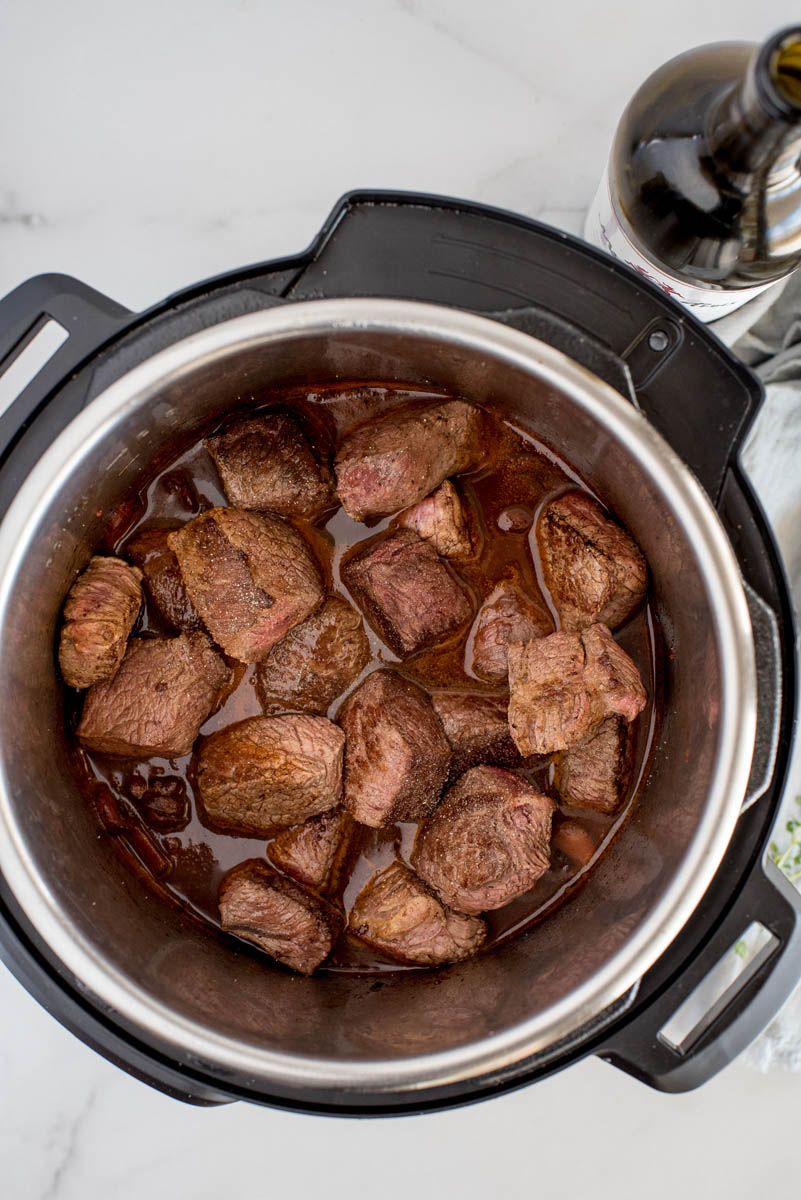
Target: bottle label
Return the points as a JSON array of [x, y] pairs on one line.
[[604, 229]]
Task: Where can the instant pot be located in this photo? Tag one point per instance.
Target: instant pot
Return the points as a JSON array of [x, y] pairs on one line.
[[652, 411]]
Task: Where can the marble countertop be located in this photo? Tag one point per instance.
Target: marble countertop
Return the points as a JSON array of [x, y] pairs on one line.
[[149, 146]]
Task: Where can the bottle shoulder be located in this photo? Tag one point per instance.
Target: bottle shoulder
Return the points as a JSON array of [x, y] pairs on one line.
[[673, 100], [679, 203]]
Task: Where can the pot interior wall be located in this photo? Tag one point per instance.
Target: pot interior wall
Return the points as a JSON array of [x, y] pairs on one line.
[[208, 979]]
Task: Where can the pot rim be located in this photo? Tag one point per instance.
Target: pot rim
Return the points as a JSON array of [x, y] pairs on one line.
[[307, 1075]]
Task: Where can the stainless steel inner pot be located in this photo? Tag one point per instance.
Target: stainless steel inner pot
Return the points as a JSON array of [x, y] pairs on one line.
[[236, 1017]]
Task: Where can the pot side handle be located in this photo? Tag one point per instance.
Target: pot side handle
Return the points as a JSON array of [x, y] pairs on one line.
[[74, 321], [767, 649], [671, 1062]]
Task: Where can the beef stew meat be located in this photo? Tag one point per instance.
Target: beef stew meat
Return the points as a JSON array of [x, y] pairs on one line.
[[409, 595], [154, 706], [596, 772], [250, 575], [265, 773], [477, 728], [320, 852], [562, 686], [275, 914], [316, 661], [398, 915], [308, 736], [395, 462], [267, 463], [507, 615], [397, 755], [441, 519], [99, 613], [592, 568], [611, 675], [488, 841], [574, 842], [165, 585]]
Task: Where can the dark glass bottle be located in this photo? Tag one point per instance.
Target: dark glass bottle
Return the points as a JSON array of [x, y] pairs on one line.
[[703, 188]]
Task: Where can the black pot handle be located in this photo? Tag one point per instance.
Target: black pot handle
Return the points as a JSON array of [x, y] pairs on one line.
[[741, 1013], [87, 317]]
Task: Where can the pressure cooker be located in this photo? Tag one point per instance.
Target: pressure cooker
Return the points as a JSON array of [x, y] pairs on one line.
[[652, 410]]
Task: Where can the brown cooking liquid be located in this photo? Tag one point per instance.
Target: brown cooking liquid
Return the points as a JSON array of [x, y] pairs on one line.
[[187, 865]]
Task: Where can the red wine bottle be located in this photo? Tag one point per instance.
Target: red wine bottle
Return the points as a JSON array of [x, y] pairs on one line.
[[702, 192]]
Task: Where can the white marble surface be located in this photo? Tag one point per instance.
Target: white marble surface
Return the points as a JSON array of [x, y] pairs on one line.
[[148, 146]]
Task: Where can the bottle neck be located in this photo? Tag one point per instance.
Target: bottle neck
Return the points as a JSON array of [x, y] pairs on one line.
[[755, 129]]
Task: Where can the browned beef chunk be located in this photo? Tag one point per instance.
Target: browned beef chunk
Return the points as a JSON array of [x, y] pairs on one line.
[[563, 686], [507, 615], [251, 577], [265, 773], [398, 915], [397, 755], [165, 584], [392, 463], [592, 568], [611, 674], [477, 729], [162, 800], [487, 843], [408, 594], [316, 660], [163, 692], [574, 842], [441, 520], [596, 772], [320, 852], [550, 706], [266, 463], [275, 914], [99, 613]]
